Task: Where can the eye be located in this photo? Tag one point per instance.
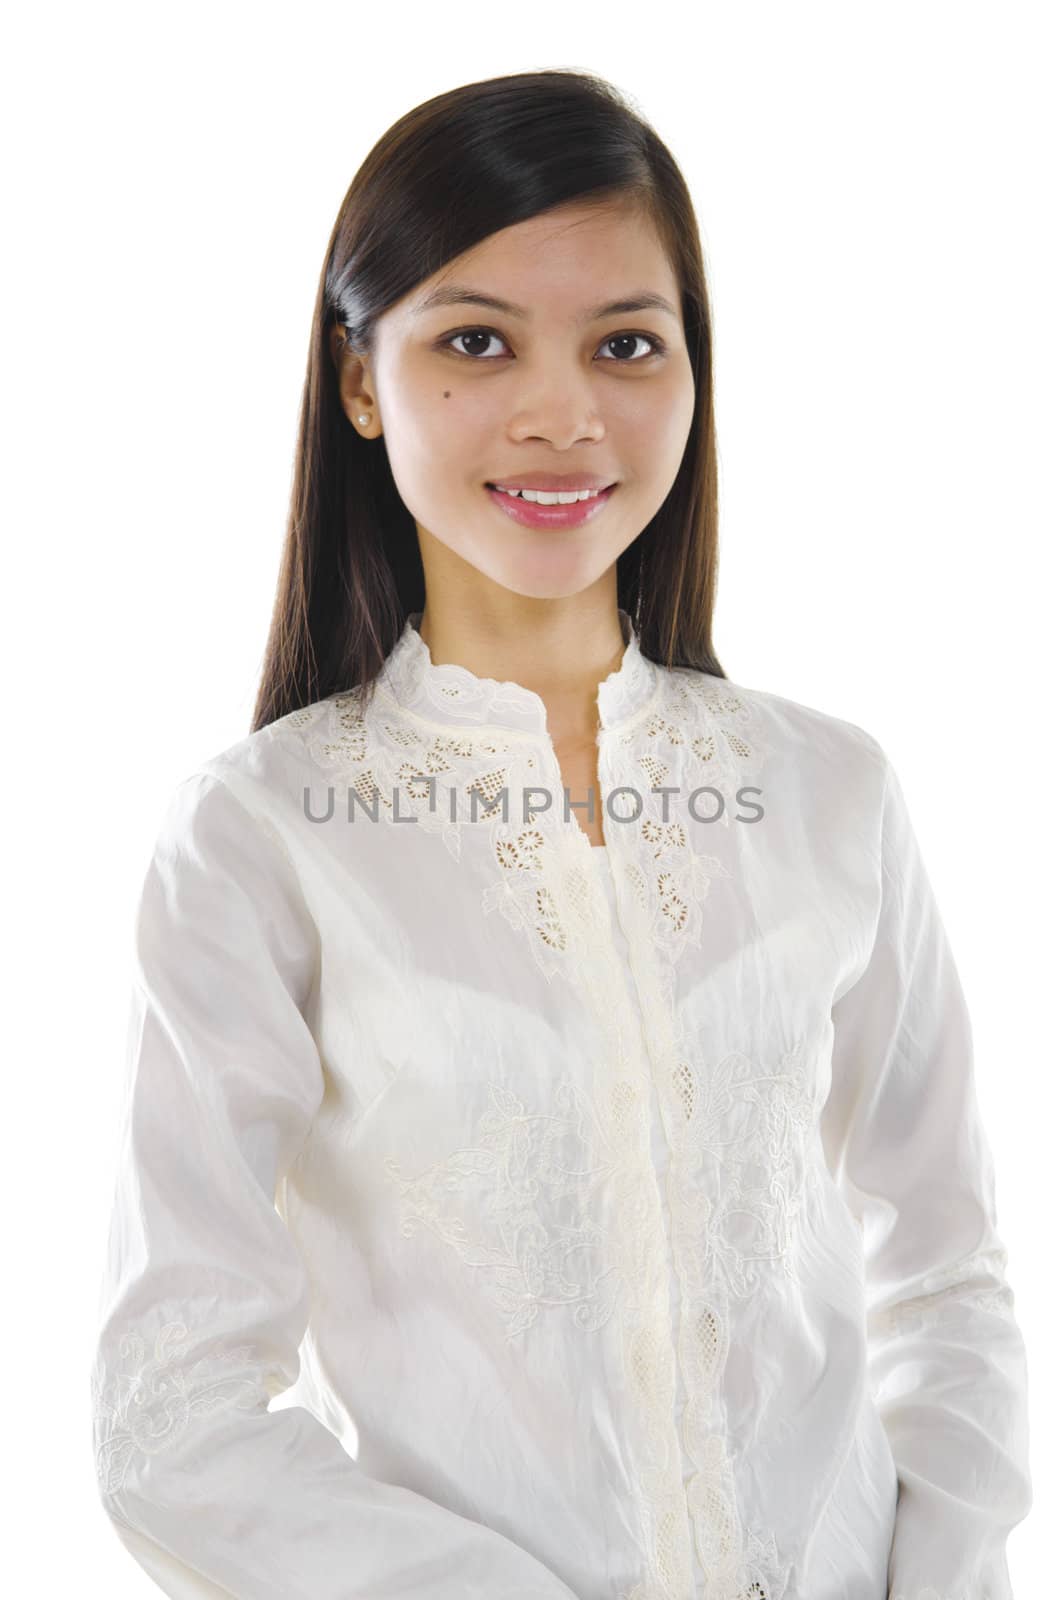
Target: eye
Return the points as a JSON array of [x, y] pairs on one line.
[[655, 344], [470, 333]]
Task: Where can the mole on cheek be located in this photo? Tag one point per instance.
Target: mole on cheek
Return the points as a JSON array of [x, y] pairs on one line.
[[445, 394]]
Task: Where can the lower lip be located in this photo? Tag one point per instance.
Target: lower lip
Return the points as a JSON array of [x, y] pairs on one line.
[[532, 515]]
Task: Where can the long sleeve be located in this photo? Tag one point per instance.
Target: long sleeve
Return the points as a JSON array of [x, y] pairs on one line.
[[205, 1300], [903, 1135]]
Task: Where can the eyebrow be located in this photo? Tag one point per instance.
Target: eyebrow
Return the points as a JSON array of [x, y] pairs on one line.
[[456, 294]]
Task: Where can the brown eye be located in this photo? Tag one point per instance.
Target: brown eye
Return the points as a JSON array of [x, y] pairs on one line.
[[472, 340], [628, 339], [470, 336]]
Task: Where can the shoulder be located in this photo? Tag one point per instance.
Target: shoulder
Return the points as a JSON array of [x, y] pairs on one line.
[[787, 725], [808, 755], [265, 772]]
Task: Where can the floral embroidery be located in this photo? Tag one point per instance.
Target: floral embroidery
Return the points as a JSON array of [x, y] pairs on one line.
[[663, 838], [150, 1403], [954, 1288], [529, 1181], [556, 1203], [735, 1184], [753, 1129], [527, 894], [380, 758], [732, 1130]]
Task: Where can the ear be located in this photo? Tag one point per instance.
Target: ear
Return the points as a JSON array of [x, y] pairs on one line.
[[356, 389]]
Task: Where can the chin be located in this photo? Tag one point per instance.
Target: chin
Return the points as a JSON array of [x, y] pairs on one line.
[[551, 581]]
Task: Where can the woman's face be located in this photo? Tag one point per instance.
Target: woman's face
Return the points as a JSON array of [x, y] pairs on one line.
[[466, 394]]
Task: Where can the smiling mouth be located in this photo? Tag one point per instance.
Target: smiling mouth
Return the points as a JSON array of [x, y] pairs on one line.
[[552, 495], [551, 513]]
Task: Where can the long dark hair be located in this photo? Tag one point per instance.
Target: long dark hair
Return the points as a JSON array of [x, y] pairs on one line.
[[445, 176]]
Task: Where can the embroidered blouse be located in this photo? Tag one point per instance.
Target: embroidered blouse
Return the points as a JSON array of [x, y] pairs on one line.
[[499, 1217]]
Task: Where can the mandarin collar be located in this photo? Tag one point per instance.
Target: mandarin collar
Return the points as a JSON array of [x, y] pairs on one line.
[[446, 693]]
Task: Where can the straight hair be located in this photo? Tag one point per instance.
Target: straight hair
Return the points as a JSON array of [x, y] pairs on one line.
[[448, 174]]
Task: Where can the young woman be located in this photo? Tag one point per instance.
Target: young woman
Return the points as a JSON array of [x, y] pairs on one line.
[[550, 1085]]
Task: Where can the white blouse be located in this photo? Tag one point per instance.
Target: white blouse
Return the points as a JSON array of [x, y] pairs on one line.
[[614, 1223]]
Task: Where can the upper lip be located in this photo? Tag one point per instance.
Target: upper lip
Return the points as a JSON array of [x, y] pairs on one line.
[[551, 482]]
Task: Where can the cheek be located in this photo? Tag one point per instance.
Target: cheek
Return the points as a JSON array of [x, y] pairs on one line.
[[672, 420], [448, 430], [649, 415], [425, 412]]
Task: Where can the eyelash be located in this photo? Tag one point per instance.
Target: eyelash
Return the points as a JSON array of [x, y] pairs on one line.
[[657, 344]]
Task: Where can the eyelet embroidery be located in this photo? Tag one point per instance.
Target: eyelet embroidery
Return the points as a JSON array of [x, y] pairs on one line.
[[150, 1404], [727, 1222], [748, 1118], [623, 1122], [733, 1561], [374, 757]]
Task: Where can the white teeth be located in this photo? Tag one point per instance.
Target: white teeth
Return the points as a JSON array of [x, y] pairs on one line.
[[542, 498]]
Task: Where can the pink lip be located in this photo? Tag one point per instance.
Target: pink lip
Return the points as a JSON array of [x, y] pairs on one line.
[[557, 516], [563, 482]]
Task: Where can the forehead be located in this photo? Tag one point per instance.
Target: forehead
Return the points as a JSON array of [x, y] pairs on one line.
[[566, 262]]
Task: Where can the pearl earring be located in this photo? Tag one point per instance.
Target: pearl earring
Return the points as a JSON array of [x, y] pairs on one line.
[[362, 419]]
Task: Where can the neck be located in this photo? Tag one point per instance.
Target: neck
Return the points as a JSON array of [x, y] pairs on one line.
[[561, 650]]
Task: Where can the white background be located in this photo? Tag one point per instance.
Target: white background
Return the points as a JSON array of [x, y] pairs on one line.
[[877, 191]]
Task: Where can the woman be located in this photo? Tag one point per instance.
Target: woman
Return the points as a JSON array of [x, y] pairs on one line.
[[549, 1077]]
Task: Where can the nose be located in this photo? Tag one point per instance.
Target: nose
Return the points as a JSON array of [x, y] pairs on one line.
[[560, 411], [558, 425]]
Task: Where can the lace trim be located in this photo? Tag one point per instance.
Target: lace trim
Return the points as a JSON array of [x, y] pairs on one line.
[[458, 695], [739, 1168], [152, 1400], [736, 1136], [749, 1134]]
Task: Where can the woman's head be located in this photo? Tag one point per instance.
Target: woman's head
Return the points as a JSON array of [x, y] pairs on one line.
[[553, 386], [547, 192]]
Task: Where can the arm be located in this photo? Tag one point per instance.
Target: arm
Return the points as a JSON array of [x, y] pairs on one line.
[[204, 1299], [904, 1138]]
